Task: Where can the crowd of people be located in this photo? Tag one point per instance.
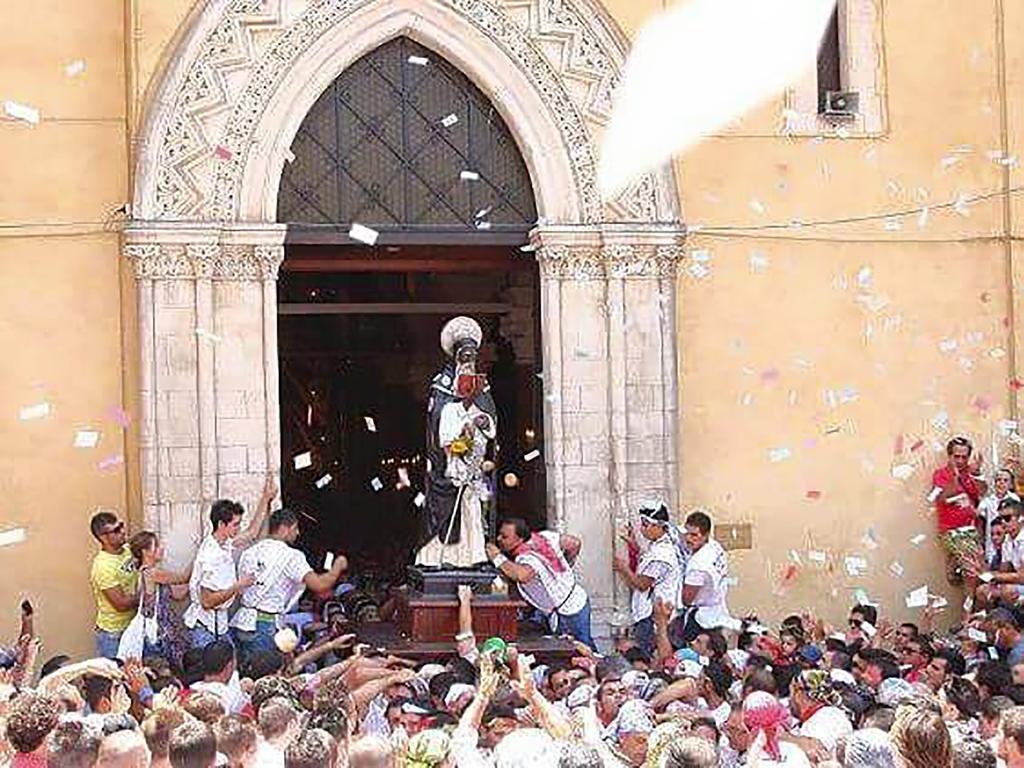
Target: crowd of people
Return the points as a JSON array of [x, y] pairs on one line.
[[237, 679]]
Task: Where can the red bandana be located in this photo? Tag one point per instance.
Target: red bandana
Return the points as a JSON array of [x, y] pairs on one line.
[[540, 546]]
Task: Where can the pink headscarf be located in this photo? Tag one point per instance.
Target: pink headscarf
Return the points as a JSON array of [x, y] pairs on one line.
[[763, 712], [541, 547]]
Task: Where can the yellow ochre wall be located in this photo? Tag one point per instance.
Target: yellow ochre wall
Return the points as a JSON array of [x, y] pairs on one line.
[[804, 321]]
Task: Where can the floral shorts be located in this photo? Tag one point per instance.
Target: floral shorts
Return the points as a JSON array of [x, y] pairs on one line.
[[962, 544]]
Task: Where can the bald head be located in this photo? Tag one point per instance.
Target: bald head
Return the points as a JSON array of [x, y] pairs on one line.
[[124, 749]]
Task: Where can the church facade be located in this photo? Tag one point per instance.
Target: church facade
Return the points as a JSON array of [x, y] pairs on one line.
[[782, 327]]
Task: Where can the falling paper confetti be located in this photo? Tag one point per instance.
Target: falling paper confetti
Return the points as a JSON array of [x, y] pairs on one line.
[[376, 484], [403, 477], [37, 411], [934, 495], [531, 455], [75, 68], [21, 112], [111, 461], [12, 536], [758, 262], [323, 482], [975, 634], [779, 454], [371, 425], [450, 120], [896, 569], [204, 334], [918, 540], [918, 598], [120, 416], [469, 176], [363, 234], [289, 156], [86, 438], [420, 499], [855, 565], [676, 51], [419, 61], [303, 460], [903, 471], [816, 556]]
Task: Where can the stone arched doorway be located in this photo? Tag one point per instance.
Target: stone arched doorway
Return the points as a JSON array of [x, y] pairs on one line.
[[205, 246]]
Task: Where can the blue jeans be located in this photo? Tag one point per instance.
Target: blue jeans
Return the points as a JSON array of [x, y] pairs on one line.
[[577, 625], [202, 637], [107, 643], [261, 639]]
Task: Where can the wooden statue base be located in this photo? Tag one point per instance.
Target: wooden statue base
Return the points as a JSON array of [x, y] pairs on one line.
[[435, 618]]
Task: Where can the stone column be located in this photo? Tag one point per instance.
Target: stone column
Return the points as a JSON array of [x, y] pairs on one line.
[[608, 318], [209, 423]]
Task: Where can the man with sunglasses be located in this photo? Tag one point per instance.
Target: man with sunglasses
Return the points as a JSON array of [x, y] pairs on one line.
[[114, 582], [1008, 583]]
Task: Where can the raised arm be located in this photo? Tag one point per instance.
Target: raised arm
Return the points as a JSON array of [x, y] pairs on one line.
[[321, 582], [259, 516]]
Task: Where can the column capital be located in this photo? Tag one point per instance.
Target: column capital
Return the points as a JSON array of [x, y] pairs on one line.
[[609, 251], [191, 250]]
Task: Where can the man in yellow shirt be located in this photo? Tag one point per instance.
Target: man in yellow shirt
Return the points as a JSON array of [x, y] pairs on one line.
[[114, 583]]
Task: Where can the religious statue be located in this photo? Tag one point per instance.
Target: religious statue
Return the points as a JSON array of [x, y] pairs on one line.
[[461, 423]]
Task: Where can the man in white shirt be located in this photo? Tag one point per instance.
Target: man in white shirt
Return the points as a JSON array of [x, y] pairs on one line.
[[214, 583], [1007, 584], [815, 704], [657, 575], [220, 677], [704, 584], [280, 575], [541, 565]]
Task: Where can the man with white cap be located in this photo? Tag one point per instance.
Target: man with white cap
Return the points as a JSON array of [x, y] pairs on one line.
[[657, 576]]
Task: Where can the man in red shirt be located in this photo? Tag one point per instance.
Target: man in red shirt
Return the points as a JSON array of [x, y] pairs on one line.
[[957, 490]]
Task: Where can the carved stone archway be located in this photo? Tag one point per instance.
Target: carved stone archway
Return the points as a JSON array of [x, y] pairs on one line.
[[205, 248]]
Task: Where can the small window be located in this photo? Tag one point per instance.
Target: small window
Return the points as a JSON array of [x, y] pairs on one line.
[[829, 69]]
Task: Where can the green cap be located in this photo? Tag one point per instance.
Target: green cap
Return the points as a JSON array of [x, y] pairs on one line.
[[496, 646]]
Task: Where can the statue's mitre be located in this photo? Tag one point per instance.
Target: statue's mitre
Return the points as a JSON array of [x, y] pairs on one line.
[[460, 329]]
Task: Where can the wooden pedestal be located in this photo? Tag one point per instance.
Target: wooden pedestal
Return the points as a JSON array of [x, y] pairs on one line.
[[435, 618]]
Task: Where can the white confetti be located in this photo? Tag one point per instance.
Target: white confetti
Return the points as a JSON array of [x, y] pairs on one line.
[[37, 411], [483, 225], [420, 500], [21, 112], [934, 495], [816, 556], [328, 561], [528, 248], [75, 68], [893, 224], [896, 569], [363, 234], [303, 460], [868, 628], [903, 471], [986, 577], [419, 61], [699, 271], [960, 205], [865, 278], [847, 395], [376, 484], [855, 565], [779, 454], [12, 536], [938, 602], [371, 425], [922, 218], [948, 345], [450, 120], [531, 455], [323, 482], [975, 634], [918, 598], [204, 334], [86, 438], [757, 206], [469, 176], [918, 540], [1007, 427], [403, 477], [289, 156], [758, 262], [483, 212]]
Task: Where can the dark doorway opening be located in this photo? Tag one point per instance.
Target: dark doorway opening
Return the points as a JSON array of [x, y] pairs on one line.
[[358, 336]]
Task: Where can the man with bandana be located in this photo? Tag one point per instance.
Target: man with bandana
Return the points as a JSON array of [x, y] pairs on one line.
[[816, 705], [658, 575]]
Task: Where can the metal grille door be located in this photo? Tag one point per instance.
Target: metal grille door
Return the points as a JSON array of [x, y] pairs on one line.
[[403, 142]]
